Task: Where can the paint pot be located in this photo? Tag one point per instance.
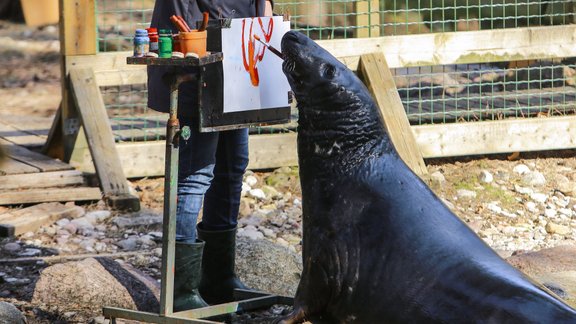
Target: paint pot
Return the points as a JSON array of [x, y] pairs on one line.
[[193, 42], [176, 43], [141, 43], [165, 43], [153, 35]]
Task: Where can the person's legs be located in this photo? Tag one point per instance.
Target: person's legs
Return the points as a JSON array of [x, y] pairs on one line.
[[197, 157], [219, 220], [222, 200]]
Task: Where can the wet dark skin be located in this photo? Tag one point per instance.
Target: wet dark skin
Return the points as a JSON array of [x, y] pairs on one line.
[[378, 245]]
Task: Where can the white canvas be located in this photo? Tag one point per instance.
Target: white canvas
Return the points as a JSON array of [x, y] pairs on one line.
[[240, 92]]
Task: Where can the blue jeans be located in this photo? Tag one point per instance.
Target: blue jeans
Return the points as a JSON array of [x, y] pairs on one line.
[[211, 167]]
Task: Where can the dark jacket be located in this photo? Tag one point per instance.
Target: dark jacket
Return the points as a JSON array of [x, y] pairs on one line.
[[191, 11]]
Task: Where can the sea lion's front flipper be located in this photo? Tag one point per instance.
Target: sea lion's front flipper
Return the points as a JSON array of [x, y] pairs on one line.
[[296, 316]]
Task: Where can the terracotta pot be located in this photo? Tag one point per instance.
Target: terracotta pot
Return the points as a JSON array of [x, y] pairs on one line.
[[194, 42]]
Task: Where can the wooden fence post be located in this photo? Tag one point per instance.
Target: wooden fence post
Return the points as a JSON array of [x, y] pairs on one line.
[[378, 78]]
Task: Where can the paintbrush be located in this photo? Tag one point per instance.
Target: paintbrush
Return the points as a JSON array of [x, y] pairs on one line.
[[270, 47]]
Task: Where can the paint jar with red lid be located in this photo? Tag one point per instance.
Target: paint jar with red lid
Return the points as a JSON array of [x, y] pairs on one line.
[[153, 36]]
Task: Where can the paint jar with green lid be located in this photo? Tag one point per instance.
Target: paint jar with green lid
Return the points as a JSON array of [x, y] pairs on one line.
[[165, 43]]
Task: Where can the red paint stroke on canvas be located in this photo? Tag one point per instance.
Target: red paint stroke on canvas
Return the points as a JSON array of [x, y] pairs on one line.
[[254, 56]]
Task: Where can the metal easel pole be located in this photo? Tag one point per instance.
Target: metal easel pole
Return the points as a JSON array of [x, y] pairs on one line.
[[170, 189]]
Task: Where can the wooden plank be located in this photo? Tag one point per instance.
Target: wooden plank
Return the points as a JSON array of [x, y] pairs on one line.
[[11, 166], [19, 136], [49, 195], [490, 137], [442, 48], [272, 151], [146, 159], [460, 47], [99, 135], [30, 219], [78, 27], [367, 18], [42, 180], [443, 140], [36, 160], [377, 76], [110, 68], [122, 77]]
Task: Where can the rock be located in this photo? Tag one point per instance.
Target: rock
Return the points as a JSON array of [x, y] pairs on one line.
[[437, 178], [254, 220], [251, 232], [251, 180], [82, 224], [268, 267], [30, 252], [141, 218], [257, 194], [521, 169], [70, 228], [494, 208], [539, 197], [553, 228], [271, 192], [129, 244], [523, 190], [88, 245], [9, 314], [97, 216], [485, 176], [466, 194], [62, 222], [554, 267], [12, 247], [245, 189], [550, 213], [534, 179], [88, 285], [531, 206]]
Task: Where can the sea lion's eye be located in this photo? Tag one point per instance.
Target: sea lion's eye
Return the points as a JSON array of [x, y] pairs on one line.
[[329, 71]]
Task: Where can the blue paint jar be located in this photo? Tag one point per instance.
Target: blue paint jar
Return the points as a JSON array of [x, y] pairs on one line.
[[141, 43]]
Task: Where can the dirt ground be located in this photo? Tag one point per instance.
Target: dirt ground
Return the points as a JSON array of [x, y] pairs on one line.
[[30, 86]]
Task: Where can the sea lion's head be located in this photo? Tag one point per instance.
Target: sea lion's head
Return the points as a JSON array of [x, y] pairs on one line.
[[313, 73], [338, 119]]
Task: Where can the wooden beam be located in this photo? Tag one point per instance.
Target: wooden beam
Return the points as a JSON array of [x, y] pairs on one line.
[[30, 219], [378, 78], [39, 161], [460, 47], [491, 137], [434, 141], [42, 180], [442, 48], [49, 195], [367, 18], [146, 159], [78, 27], [99, 136], [77, 37]]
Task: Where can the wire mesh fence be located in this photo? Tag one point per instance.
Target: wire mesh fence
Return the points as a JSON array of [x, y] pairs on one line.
[[433, 94]]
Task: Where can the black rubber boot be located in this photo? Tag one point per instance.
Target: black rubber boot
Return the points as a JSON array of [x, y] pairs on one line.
[[218, 276], [188, 263]]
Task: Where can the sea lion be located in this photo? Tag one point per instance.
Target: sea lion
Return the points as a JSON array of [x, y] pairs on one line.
[[378, 245]]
